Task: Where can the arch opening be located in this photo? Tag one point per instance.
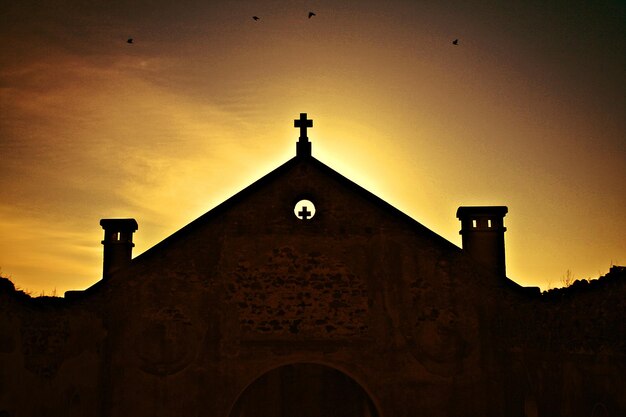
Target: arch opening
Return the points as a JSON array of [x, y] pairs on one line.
[[304, 390]]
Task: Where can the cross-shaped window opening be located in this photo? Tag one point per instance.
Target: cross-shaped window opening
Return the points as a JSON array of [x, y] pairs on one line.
[[304, 210], [304, 213]]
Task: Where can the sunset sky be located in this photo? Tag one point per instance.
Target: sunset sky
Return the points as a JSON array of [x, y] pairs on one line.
[[527, 111]]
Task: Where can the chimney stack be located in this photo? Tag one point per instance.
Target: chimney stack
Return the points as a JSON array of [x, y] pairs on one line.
[[118, 244], [482, 231]]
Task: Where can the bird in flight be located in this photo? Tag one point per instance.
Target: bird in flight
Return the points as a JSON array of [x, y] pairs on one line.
[[455, 42], [256, 17], [311, 14], [130, 40]]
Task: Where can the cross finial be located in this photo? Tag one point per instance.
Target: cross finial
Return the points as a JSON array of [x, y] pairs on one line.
[[303, 146]]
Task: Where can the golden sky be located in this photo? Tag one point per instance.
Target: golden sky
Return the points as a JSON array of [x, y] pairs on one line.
[[526, 111]]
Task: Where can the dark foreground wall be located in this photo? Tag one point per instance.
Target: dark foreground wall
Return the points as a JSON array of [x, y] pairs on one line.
[[161, 357], [250, 311]]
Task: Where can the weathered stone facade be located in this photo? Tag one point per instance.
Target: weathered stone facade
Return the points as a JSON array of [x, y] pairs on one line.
[[358, 309]]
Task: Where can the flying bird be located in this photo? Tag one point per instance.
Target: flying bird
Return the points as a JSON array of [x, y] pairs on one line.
[[455, 42], [256, 17], [130, 40], [311, 14]]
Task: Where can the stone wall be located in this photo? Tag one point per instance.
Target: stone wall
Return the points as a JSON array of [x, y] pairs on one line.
[[50, 356], [163, 356]]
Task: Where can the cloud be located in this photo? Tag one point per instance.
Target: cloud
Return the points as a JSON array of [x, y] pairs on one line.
[[81, 142], [46, 255]]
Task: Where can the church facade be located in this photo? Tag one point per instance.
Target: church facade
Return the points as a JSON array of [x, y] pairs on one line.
[[306, 295]]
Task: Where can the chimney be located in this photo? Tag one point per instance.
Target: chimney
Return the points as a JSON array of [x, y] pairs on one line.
[[118, 244], [482, 231]]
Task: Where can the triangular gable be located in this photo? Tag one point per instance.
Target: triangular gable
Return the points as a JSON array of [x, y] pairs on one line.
[[277, 173]]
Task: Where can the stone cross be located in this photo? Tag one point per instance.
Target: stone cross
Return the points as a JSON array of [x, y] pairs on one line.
[[303, 123]]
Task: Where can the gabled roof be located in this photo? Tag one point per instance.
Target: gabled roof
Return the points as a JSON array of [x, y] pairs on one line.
[[282, 170]]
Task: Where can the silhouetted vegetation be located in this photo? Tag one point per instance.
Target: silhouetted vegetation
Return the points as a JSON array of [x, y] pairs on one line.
[[616, 276], [8, 290], [7, 287]]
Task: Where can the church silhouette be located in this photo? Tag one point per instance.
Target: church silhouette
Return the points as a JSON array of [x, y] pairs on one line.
[[305, 295]]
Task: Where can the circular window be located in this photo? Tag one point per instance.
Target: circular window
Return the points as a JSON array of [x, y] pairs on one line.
[[304, 210]]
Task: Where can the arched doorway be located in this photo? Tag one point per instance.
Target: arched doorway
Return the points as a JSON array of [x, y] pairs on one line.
[[304, 390]]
